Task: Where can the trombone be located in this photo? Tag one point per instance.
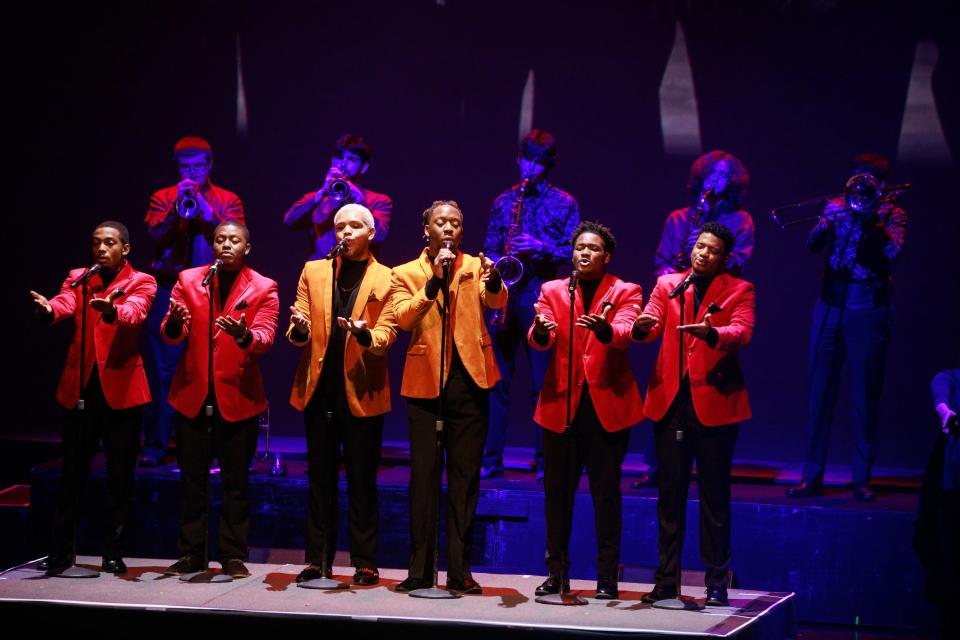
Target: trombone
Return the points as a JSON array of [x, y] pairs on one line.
[[861, 194]]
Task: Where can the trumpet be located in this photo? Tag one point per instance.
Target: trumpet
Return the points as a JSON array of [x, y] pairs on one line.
[[187, 206], [339, 189], [861, 194]]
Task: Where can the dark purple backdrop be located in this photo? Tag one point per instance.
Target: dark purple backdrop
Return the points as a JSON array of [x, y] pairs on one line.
[[101, 95]]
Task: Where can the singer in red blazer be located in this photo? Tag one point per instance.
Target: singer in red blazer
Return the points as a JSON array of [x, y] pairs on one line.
[[113, 346], [606, 367], [717, 385], [237, 382]]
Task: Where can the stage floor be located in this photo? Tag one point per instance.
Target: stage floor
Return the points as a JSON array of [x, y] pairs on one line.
[[507, 602]]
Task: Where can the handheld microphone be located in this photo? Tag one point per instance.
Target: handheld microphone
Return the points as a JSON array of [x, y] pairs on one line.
[[448, 245], [89, 273], [211, 272], [680, 288], [337, 249], [574, 279]]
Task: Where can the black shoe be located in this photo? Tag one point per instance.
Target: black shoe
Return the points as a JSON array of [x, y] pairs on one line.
[[552, 585], [467, 586], [366, 576], [647, 480], [314, 572], [660, 592], [863, 493], [184, 566], [235, 568], [806, 489], [491, 472], [54, 561], [113, 565], [412, 584], [717, 597], [607, 589]]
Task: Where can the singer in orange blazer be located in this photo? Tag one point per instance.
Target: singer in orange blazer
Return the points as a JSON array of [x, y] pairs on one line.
[[113, 346], [605, 368], [413, 311], [236, 375], [365, 368]]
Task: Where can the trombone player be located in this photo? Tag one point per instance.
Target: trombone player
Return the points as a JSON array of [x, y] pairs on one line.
[[862, 235], [529, 235]]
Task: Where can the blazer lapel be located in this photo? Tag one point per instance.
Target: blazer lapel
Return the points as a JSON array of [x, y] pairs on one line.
[[239, 290], [366, 285], [716, 287]]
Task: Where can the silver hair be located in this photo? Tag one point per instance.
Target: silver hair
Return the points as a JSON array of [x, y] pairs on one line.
[[365, 214]]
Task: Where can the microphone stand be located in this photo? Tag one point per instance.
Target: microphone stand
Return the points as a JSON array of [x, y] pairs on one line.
[[207, 576], [434, 592], [324, 583], [75, 571], [564, 597], [679, 603]]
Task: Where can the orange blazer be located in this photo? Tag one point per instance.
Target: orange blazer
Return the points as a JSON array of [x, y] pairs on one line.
[[605, 367], [237, 382], [366, 371], [716, 381], [113, 346], [413, 311]]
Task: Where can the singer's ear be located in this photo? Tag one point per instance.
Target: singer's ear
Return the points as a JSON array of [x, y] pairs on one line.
[[125, 249], [246, 249]]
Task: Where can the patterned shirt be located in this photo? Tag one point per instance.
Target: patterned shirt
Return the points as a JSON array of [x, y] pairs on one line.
[[549, 215], [860, 248], [678, 233]]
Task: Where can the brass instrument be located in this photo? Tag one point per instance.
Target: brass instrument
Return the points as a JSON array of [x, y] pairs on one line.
[[861, 194], [187, 207], [509, 266], [681, 261], [339, 189]]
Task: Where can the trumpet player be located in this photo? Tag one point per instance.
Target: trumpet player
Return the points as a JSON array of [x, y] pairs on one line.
[[529, 234], [851, 321], [181, 220], [718, 183], [315, 211]]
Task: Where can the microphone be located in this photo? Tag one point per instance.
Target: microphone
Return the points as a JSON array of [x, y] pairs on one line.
[[448, 245], [211, 272], [680, 288], [574, 279], [89, 273], [337, 249]]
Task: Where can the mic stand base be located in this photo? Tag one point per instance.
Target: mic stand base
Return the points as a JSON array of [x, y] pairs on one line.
[[325, 584], [206, 577], [434, 593], [73, 571], [678, 604], [562, 599]]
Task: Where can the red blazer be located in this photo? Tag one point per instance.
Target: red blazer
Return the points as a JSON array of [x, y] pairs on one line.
[[716, 382], [237, 382], [606, 367], [114, 346]]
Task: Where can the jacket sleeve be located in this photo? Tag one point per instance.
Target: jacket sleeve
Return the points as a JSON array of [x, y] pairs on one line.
[[739, 332], [384, 332], [264, 325], [409, 307], [133, 307], [543, 303], [64, 304], [175, 296], [656, 307], [299, 216], [625, 315]]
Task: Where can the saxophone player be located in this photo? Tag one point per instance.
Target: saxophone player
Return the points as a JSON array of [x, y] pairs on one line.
[[718, 182], [532, 221]]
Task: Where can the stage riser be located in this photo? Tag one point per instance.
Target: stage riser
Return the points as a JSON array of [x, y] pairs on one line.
[[844, 565]]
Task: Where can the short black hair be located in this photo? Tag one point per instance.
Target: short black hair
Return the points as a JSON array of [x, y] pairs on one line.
[[436, 205], [234, 223], [588, 226], [720, 231], [356, 144], [119, 226], [540, 146], [872, 163]]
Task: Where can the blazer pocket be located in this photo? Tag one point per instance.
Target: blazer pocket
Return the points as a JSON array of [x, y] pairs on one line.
[[417, 350]]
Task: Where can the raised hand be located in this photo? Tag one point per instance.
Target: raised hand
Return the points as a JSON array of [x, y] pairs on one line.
[[236, 329], [300, 322], [351, 325], [700, 330], [541, 325]]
